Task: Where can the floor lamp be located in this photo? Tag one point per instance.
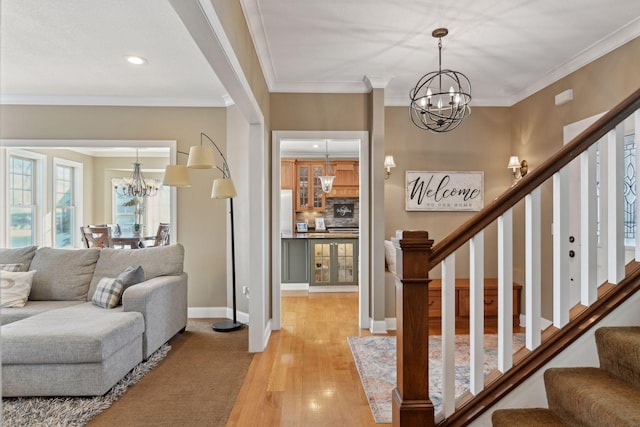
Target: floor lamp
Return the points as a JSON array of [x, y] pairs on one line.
[[202, 157]]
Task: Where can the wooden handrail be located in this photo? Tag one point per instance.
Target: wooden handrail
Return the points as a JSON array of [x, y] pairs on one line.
[[534, 179]]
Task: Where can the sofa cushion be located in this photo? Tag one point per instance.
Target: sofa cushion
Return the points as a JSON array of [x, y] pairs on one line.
[[390, 255], [15, 287], [82, 333], [9, 315], [156, 261], [18, 256], [107, 293], [62, 274]]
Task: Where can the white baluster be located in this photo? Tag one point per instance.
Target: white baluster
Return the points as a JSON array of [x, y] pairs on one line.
[[476, 312], [588, 228], [561, 247], [615, 203], [505, 291], [532, 263], [448, 335]]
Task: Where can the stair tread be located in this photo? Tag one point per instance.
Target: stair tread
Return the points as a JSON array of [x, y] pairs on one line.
[[592, 397], [619, 352], [526, 417]]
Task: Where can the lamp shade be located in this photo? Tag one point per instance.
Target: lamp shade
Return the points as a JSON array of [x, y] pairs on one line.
[[388, 162], [326, 182], [200, 157], [176, 176], [223, 188], [514, 162]]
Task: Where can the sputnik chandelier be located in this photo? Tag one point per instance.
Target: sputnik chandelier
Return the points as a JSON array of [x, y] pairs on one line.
[[440, 100]]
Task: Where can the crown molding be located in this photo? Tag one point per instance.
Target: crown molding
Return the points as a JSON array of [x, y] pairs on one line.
[[376, 82], [121, 101], [253, 15]]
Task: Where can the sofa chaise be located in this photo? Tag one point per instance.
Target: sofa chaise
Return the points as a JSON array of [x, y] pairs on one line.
[[63, 341]]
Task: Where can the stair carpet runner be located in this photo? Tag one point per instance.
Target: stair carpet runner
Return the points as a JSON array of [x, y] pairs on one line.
[[604, 396]]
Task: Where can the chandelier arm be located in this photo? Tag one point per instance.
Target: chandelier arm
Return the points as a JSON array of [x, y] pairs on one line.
[[226, 173]]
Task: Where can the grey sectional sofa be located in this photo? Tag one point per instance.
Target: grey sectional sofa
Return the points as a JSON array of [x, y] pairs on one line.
[[62, 344]]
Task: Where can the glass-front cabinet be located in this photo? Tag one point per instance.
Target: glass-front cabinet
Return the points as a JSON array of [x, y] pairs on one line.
[[334, 262], [308, 188]]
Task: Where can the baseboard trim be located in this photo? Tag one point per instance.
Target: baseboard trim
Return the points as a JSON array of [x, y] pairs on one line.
[[294, 286], [318, 289], [391, 323], [378, 326], [216, 313]]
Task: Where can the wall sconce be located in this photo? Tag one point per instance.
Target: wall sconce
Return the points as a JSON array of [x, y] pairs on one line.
[[388, 163], [518, 168]]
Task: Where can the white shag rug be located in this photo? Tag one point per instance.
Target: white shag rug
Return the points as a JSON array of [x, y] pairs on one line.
[[72, 411]]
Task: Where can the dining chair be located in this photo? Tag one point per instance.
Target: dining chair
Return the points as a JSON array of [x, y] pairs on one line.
[[96, 237], [162, 235]]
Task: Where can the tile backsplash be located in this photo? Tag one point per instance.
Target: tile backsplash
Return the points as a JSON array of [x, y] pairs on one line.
[[330, 220]]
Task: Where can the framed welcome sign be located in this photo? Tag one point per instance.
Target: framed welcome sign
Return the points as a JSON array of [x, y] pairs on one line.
[[444, 191]]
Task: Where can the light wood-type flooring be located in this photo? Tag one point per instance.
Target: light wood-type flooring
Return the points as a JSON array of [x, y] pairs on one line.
[[307, 376]]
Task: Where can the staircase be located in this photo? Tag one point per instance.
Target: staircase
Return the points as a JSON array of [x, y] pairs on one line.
[[522, 230], [604, 396]]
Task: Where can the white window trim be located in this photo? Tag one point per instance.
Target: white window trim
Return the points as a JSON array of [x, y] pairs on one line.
[[41, 186], [78, 191]]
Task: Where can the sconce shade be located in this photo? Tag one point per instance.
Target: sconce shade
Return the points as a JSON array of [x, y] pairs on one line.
[[388, 162], [223, 188], [176, 176], [514, 162], [200, 157]]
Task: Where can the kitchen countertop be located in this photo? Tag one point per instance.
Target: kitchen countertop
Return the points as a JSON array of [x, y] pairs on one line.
[[323, 235]]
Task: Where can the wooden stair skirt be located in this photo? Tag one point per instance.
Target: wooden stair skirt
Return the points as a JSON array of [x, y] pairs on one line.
[[604, 396]]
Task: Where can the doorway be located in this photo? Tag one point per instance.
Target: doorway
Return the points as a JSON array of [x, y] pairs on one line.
[[362, 141]]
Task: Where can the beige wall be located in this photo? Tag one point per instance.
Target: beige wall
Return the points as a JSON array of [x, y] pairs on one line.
[[481, 143], [201, 221]]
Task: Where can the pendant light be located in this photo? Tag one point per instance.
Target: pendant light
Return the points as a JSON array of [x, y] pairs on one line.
[[326, 180], [440, 100]]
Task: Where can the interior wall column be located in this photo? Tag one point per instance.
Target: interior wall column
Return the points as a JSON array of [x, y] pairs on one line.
[[377, 229]]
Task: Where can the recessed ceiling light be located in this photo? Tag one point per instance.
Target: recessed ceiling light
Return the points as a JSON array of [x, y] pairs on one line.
[[315, 146], [135, 60]]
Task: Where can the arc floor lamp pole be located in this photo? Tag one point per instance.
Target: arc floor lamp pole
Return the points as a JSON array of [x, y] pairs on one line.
[[202, 157]]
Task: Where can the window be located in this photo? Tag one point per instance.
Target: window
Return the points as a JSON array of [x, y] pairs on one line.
[[66, 191], [22, 202], [25, 198], [152, 210]]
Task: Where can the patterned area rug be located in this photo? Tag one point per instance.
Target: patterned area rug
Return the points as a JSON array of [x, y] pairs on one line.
[[375, 358], [72, 411]]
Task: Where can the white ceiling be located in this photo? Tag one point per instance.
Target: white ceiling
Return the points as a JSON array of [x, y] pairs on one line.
[[71, 51]]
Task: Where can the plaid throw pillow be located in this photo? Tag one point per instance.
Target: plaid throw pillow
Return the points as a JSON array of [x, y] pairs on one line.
[[11, 267], [107, 293]]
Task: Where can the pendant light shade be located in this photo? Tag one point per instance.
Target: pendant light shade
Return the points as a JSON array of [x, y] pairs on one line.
[[326, 181], [200, 157], [176, 176]]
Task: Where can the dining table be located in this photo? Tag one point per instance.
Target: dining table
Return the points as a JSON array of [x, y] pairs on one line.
[[132, 240]]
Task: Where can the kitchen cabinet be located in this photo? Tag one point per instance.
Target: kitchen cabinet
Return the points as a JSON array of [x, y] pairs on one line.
[[295, 261], [287, 174], [462, 302], [309, 194], [347, 182], [333, 261]]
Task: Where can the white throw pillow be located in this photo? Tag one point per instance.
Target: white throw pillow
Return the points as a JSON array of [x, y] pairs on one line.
[[390, 255], [11, 267], [15, 287]]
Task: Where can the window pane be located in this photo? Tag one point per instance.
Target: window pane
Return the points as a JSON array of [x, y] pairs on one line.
[[21, 227], [64, 227]]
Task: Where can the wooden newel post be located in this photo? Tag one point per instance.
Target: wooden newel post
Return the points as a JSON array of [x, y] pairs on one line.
[[411, 404]]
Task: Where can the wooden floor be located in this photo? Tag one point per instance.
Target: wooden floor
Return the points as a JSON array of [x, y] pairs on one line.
[[307, 376]]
